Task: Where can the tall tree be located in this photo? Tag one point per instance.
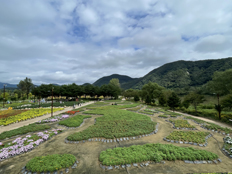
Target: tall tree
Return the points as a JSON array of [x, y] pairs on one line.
[[195, 99], [221, 84], [25, 86], [173, 101]]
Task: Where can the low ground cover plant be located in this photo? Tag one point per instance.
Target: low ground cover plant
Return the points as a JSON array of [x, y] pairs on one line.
[[228, 144], [79, 109], [50, 163], [21, 145], [134, 109], [74, 121], [181, 123], [53, 119], [8, 113], [195, 119], [152, 152], [23, 130], [115, 123], [190, 136], [146, 112], [27, 115]]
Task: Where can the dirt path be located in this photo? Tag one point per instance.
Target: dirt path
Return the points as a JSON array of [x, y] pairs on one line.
[[27, 122], [207, 120], [88, 153]]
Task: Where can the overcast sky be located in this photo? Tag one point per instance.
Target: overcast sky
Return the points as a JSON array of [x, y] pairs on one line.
[[78, 41]]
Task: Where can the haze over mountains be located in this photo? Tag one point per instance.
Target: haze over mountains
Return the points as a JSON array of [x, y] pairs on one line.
[[179, 74]]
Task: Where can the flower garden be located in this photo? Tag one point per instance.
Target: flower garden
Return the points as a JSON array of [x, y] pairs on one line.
[[112, 122]]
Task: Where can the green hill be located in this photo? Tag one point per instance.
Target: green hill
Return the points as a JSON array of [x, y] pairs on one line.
[[179, 74]]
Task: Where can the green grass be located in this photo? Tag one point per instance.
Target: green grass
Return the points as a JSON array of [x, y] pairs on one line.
[[146, 112], [190, 136], [73, 121], [163, 116], [152, 152], [23, 130], [50, 163], [134, 109], [181, 123], [114, 124], [218, 128]]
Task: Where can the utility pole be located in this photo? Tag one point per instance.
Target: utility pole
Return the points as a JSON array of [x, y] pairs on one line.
[[52, 103], [4, 95]]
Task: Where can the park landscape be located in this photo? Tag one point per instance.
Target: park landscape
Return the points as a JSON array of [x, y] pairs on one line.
[[130, 137]]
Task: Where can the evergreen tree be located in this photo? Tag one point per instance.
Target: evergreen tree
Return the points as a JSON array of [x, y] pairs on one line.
[[173, 101]]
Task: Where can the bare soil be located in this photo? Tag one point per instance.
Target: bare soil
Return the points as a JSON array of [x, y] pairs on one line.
[[88, 153]]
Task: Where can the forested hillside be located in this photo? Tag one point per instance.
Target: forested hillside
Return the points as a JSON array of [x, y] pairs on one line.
[[179, 74]]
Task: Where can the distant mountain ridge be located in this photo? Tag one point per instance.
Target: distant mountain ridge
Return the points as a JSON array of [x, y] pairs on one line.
[[8, 85], [178, 74]]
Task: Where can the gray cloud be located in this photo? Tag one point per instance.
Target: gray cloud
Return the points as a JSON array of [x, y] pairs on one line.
[[75, 41]]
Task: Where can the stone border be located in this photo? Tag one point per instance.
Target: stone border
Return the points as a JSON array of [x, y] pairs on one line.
[[25, 171], [192, 143], [73, 127], [181, 127], [32, 148], [104, 140], [145, 164]]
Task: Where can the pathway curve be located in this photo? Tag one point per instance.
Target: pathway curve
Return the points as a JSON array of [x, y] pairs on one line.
[[27, 122]]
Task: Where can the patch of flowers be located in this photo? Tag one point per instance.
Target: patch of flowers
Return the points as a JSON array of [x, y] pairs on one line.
[[53, 119], [22, 145], [215, 127], [71, 112], [152, 152], [27, 115], [50, 163], [8, 113]]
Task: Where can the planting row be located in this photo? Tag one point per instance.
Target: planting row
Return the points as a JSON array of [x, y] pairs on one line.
[[211, 126], [135, 109], [27, 115], [188, 137], [23, 130], [180, 124], [53, 119], [152, 152], [113, 140], [22, 145], [8, 113]]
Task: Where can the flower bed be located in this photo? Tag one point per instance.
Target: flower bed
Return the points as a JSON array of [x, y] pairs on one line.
[[22, 145], [181, 124], [53, 119], [217, 128], [8, 113], [50, 163], [27, 115], [115, 123], [73, 121], [71, 112], [23, 130], [135, 109], [152, 152], [146, 111], [188, 136]]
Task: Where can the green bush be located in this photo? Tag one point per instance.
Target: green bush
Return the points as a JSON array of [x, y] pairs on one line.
[[50, 163]]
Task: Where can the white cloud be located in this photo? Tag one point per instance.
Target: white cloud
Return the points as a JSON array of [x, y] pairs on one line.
[[80, 41]]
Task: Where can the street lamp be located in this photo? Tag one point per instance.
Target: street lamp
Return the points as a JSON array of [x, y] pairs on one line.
[[4, 95]]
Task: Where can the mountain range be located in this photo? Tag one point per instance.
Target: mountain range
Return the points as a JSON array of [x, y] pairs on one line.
[[178, 74]]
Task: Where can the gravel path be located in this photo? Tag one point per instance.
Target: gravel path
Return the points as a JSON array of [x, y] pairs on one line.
[[27, 122]]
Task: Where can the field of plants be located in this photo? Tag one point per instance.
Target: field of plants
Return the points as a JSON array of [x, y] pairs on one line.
[[135, 109], [27, 115], [115, 123], [188, 136], [181, 123], [152, 152]]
